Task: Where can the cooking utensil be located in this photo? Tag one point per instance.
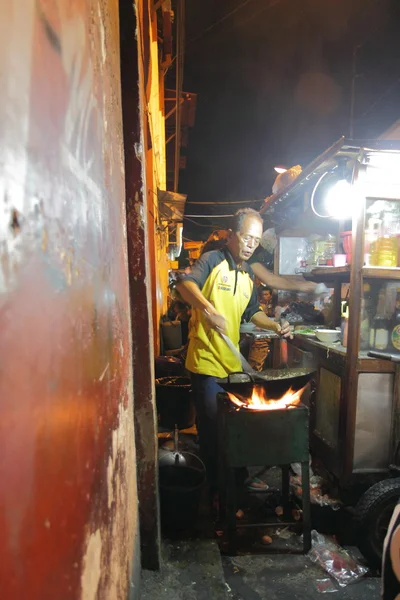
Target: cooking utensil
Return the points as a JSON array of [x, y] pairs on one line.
[[174, 458], [181, 477], [394, 357], [245, 365], [275, 381], [283, 349]]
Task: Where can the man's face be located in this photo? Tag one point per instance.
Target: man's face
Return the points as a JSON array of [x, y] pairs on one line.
[[242, 244], [266, 296]]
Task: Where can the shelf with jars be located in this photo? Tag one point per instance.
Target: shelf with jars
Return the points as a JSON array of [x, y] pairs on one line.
[[329, 273], [343, 273], [381, 272]]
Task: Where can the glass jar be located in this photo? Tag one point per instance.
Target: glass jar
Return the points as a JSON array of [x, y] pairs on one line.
[[387, 252]]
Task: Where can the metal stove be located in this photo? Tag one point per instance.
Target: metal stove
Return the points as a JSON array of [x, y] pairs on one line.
[[271, 437]]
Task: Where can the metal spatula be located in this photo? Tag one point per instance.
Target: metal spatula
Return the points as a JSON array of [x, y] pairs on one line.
[[245, 365]]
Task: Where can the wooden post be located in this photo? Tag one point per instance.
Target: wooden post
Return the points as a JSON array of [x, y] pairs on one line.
[[135, 133], [348, 404]]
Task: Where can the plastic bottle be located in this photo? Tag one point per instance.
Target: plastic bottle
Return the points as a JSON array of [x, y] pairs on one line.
[[395, 325], [345, 323], [365, 325]]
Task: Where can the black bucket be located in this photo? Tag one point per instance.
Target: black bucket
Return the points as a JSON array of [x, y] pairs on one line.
[[182, 476], [175, 404], [169, 366]]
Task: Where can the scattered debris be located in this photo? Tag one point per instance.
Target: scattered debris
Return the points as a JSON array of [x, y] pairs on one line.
[[240, 514], [336, 561], [279, 511], [285, 534], [266, 540], [318, 491], [296, 514], [325, 586]]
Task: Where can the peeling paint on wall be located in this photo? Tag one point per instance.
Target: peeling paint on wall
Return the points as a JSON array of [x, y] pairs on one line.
[[109, 549], [91, 567]]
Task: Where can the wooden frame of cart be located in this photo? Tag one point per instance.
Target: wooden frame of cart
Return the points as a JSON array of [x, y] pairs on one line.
[[354, 410]]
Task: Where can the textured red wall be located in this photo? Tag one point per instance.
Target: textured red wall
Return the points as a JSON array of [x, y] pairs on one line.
[[68, 504]]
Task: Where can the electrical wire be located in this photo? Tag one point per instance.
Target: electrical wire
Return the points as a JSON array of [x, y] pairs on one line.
[[208, 216], [225, 203], [370, 36], [378, 100], [313, 196], [211, 226], [227, 15], [258, 13], [220, 20]]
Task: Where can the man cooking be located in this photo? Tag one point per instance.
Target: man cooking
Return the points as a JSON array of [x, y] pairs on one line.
[[221, 291]]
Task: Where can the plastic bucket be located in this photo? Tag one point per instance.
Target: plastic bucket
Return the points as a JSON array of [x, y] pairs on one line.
[[175, 404], [181, 481]]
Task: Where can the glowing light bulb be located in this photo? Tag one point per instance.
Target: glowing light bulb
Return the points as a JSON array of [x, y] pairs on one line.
[[339, 200]]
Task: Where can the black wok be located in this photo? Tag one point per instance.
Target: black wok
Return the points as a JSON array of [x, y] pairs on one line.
[[275, 381]]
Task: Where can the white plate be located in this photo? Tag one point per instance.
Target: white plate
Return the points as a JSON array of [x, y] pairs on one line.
[[247, 327]]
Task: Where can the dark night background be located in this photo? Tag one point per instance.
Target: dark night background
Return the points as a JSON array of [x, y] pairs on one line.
[[273, 81]]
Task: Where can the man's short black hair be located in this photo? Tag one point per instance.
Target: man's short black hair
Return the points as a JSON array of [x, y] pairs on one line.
[[240, 216], [264, 288]]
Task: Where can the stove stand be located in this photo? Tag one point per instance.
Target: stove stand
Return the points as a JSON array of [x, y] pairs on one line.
[[252, 438]]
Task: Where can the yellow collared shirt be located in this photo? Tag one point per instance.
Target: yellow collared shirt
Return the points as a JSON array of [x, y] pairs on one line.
[[232, 292]]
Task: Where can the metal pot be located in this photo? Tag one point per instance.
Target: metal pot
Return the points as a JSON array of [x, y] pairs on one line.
[[181, 478]]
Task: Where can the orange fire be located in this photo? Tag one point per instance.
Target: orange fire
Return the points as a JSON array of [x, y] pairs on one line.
[[260, 401]]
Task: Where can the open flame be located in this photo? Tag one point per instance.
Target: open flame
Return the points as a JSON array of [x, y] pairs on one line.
[[260, 401]]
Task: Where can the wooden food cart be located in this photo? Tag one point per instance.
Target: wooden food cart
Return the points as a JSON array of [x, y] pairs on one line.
[[354, 410]]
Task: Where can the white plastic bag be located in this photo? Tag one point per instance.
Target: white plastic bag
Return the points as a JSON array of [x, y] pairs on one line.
[[336, 561]]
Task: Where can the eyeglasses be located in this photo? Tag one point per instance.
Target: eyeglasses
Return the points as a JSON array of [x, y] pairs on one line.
[[249, 238]]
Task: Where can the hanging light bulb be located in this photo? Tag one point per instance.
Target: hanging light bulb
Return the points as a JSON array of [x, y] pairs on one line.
[[339, 200]]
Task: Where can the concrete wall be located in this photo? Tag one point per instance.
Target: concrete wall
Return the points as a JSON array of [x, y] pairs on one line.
[[68, 499]]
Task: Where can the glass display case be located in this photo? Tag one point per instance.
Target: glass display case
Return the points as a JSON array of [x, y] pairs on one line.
[[377, 225], [380, 315]]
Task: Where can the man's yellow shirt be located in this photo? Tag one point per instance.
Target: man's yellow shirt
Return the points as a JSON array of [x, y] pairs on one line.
[[232, 292]]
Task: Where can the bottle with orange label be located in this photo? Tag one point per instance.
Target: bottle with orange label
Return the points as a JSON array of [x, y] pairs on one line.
[[395, 325]]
